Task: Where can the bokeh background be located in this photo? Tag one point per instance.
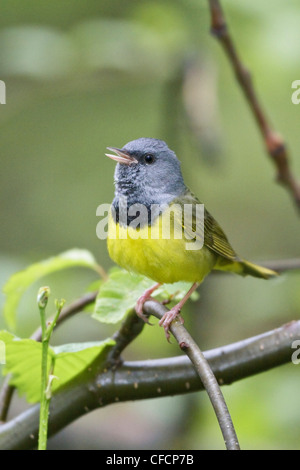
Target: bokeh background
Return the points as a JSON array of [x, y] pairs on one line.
[[81, 76]]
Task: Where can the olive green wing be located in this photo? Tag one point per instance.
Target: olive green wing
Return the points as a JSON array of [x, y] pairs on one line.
[[216, 241], [214, 237]]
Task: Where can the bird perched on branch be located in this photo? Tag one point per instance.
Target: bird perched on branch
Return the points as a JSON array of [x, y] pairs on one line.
[[158, 228]]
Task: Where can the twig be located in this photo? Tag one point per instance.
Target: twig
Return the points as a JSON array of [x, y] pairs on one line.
[[46, 375], [130, 329], [275, 145], [43, 296], [7, 390], [152, 379], [192, 350], [77, 306]]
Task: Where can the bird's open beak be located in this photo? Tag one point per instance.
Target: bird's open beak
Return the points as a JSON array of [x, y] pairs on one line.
[[121, 157]]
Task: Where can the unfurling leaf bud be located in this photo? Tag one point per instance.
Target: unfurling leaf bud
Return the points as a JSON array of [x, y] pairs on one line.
[[43, 296]]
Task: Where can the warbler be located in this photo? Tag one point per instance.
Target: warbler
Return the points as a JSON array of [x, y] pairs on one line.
[[150, 194]]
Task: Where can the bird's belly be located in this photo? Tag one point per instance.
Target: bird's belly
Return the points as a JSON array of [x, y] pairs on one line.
[[161, 259]]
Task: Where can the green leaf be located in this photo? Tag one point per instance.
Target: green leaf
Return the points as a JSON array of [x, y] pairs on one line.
[[176, 291], [20, 281], [23, 361], [119, 294], [94, 286]]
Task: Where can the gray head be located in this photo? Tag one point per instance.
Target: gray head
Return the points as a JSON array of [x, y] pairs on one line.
[[148, 172]]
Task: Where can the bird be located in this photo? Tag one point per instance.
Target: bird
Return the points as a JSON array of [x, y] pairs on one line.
[[150, 194]]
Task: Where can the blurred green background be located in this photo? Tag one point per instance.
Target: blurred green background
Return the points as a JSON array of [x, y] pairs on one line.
[[81, 76]]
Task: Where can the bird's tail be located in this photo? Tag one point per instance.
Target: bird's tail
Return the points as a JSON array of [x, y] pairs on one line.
[[256, 270], [245, 268]]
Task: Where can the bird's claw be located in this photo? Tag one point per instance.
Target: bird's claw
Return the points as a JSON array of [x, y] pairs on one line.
[[139, 309], [167, 319]]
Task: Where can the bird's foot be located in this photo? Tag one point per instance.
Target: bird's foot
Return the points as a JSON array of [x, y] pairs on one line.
[[140, 303], [139, 308], [167, 319]]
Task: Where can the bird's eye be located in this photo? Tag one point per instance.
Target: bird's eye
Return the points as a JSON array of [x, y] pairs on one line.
[[149, 158]]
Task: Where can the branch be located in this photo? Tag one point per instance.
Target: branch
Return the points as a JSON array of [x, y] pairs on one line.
[[153, 378], [7, 390], [191, 349], [275, 145]]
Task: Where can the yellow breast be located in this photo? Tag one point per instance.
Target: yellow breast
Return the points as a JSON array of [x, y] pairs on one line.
[[149, 251]]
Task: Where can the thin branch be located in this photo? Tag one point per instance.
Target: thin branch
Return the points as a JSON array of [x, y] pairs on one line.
[[281, 265], [152, 379], [7, 390], [6, 394], [275, 145], [129, 330], [75, 307], [192, 350]]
